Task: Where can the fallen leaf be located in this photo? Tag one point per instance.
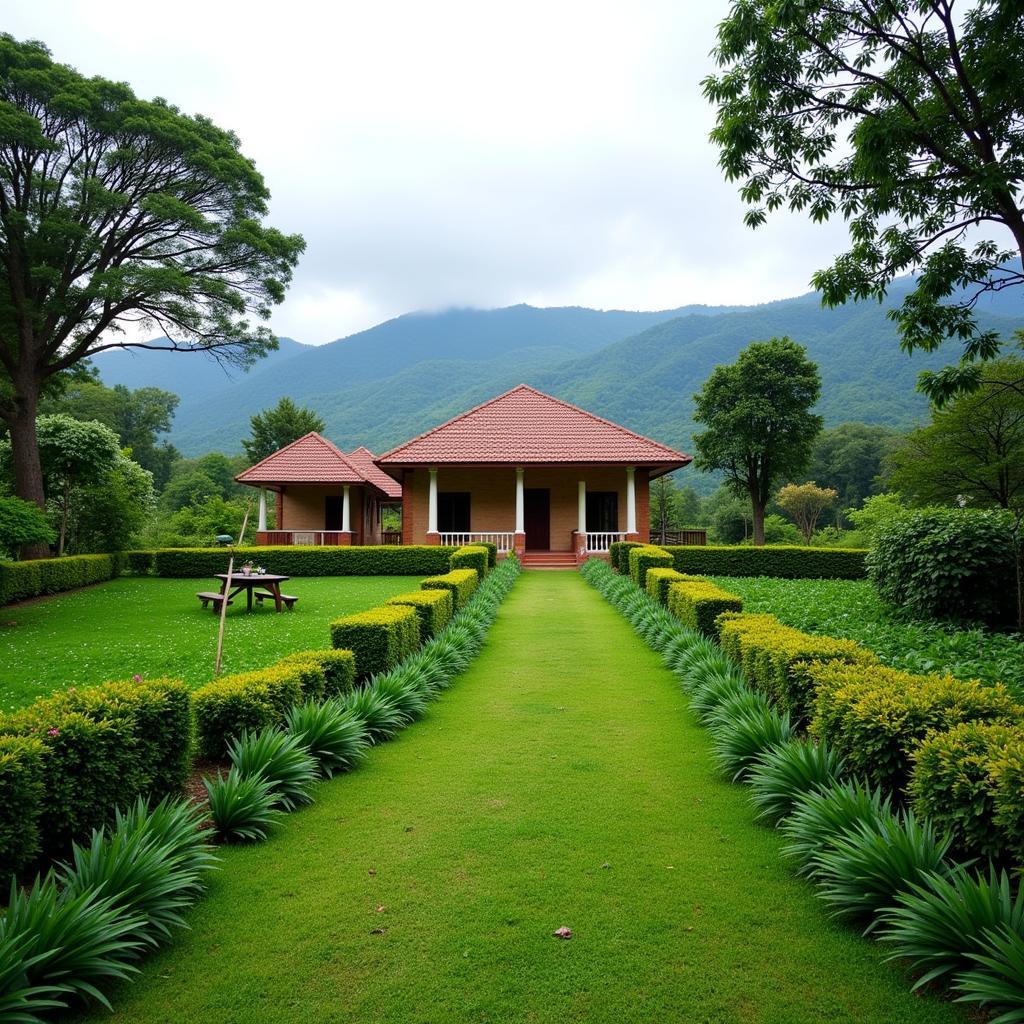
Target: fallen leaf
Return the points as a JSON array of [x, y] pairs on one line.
[[562, 933], [606, 865], [381, 908], [373, 871]]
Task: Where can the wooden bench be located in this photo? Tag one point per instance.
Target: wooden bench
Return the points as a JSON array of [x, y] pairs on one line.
[[264, 595], [210, 596]]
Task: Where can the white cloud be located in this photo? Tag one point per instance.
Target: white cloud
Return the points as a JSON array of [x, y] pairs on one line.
[[460, 153]]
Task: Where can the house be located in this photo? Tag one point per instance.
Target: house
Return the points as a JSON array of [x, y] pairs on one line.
[[323, 496], [529, 473]]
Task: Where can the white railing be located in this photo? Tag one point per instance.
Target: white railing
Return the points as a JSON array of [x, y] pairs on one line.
[[602, 541], [504, 541]]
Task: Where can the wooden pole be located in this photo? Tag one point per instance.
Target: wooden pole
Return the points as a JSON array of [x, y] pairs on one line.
[[227, 590]]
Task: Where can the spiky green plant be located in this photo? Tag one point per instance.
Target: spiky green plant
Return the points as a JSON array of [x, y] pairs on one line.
[[784, 772], [825, 812], [714, 690], [334, 737], [377, 713], [734, 706], [738, 744], [241, 806], [940, 921], [862, 870], [279, 758], [997, 980]]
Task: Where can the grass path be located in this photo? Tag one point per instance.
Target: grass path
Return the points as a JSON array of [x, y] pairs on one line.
[[561, 781]]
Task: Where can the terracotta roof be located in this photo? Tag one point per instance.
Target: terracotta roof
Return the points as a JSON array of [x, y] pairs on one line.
[[363, 460], [525, 426], [311, 459]]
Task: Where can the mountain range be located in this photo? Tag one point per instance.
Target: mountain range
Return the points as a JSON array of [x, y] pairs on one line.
[[641, 369]]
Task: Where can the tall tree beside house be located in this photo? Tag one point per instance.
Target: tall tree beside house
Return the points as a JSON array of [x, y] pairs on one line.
[[906, 119], [758, 419], [274, 428], [119, 214]]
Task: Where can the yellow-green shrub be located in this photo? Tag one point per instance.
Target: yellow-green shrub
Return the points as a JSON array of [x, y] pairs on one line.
[[618, 554], [21, 800], [698, 603], [1006, 773], [461, 582], [381, 637], [434, 608], [774, 657], [645, 557], [471, 556], [659, 579], [875, 717], [338, 667]]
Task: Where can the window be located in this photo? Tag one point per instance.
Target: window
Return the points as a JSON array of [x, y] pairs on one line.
[[602, 511], [453, 511]]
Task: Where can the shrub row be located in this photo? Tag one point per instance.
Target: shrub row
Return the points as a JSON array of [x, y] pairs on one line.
[[782, 561], [67, 760], [644, 557], [697, 603], [22, 580], [472, 556], [379, 638], [460, 582], [659, 579], [618, 554], [434, 608], [775, 658], [380, 560]]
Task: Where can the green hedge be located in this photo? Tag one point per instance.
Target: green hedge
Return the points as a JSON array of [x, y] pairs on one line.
[[875, 717], [434, 608], [776, 658], [461, 582], [618, 554], [698, 603], [644, 557], [21, 801], [22, 580], [783, 561], [381, 560], [338, 668], [472, 556], [141, 563], [104, 746], [492, 551], [659, 579], [248, 700], [381, 637]]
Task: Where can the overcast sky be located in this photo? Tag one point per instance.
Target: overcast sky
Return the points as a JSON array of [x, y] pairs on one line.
[[449, 153]]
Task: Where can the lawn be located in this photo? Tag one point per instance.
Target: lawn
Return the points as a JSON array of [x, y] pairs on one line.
[[155, 627], [560, 782], [851, 609]]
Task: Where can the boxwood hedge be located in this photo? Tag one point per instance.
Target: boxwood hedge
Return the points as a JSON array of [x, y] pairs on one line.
[[644, 557], [461, 582], [787, 562], [381, 637], [434, 608], [618, 554], [22, 580], [698, 603], [338, 668], [21, 800], [472, 556]]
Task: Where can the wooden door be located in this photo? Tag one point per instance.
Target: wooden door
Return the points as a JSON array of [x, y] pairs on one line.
[[537, 509]]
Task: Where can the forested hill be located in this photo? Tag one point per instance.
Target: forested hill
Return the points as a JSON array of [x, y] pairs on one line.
[[393, 381]]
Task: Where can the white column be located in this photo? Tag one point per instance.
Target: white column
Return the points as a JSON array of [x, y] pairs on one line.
[[520, 502], [432, 502], [581, 524], [630, 499], [346, 518], [261, 522]]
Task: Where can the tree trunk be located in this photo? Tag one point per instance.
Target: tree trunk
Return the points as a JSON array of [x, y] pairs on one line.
[[758, 521], [28, 470]]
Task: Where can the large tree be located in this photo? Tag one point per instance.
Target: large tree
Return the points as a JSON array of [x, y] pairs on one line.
[[760, 428], [119, 217], [906, 119], [274, 428]]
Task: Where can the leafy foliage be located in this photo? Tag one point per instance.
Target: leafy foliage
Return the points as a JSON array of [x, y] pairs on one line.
[[22, 522], [279, 758], [784, 772], [805, 504], [274, 428], [242, 807], [334, 737]]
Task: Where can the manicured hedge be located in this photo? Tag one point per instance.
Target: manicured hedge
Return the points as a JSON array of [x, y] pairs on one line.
[[22, 580], [434, 608], [381, 637], [461, 582], [959, 780], [338, 668], [659, 579], [21, 800], [875, 717], [141, 563], [644, 557], [248, 700], [104, 746], [698, 603], [492, 551], [618, 554], [775, 658], [472, 556], [783, 561], [380, 560]]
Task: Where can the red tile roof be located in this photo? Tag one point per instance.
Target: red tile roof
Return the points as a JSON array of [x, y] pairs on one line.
[[311, 459], [363, 460], [526, 427]]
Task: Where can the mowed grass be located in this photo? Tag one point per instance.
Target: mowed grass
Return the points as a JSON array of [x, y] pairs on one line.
[[155, 627], [560, 782]]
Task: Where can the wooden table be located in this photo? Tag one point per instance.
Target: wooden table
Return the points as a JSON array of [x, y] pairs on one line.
[[240, 582]]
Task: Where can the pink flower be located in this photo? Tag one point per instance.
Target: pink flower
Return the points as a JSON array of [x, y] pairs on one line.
[[136, 678], [52, 731]]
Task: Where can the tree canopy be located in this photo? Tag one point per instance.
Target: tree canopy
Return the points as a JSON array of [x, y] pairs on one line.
[[906, 119], [804, 504], [120, 215], [849, 458], [274, 428], [760, 428]]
